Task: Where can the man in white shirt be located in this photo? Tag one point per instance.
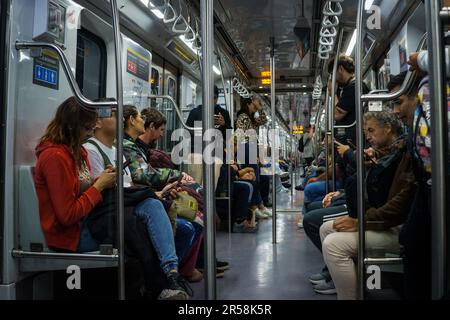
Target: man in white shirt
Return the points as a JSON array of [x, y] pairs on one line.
[[103, 142]]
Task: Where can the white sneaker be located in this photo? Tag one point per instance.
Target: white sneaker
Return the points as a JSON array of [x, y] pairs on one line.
[[260, 214], [266, 211], [170, 294], [300, 225]]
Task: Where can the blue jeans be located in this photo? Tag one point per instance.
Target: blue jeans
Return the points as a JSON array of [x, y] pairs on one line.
[[152, 213], [315, 191], [87, 242], [185, 236]]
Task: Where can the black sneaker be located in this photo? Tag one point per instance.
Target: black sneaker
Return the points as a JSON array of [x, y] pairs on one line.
[[178, 283], [222, 265], [300, 188]]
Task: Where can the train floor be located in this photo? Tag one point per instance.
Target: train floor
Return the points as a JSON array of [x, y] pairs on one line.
[[261, 270]]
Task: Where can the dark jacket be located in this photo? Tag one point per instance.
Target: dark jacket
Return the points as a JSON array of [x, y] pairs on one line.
[[196, 114], [386, 207], [401, 193]]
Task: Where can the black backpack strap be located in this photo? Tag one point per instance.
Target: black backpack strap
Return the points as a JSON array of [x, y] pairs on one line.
[[106, 160]]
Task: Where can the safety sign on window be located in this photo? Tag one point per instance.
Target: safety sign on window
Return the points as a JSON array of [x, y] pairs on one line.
[[138, 65], [46, 70]]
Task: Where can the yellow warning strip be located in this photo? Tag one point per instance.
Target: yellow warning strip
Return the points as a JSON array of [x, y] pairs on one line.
[[179, 51], [139, 55], [50, 53]]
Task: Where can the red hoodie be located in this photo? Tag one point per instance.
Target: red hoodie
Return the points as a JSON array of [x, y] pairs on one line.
[[61, 206]]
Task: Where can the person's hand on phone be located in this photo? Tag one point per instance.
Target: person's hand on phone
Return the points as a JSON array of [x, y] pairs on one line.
[[370, 155], [169, 191], [106, 180], [111, 168], [219, 119], [341, 148], [186, 178]]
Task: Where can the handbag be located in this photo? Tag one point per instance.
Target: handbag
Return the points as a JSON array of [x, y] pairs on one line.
[[184, 206]]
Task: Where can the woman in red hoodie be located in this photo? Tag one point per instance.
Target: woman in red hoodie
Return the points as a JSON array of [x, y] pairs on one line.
[[64, 186]]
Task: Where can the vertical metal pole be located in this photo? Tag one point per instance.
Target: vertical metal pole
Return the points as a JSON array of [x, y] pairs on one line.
[[274, 147], [359, 151], [327, 133], [439, 142], [227, 106], [290, 150], [206, 9], [333, 103], [231, 101], [119, 158], [291, 158], [219, 59]]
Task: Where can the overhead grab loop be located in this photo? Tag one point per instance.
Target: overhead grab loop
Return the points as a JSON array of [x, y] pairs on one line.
[[328, 32], [330, 21], [326, 41], [170, 15], [328, 10], [192, 32], [177, 21]]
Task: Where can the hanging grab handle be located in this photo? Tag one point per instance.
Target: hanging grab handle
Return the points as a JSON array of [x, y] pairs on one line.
[[170, 14], [180, 31]]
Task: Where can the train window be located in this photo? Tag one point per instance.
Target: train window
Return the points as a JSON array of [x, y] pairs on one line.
[[91, 65], [154, 82], [171, 88]]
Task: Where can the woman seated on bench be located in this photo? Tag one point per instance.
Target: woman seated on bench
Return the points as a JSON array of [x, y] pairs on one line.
[[68, 194]]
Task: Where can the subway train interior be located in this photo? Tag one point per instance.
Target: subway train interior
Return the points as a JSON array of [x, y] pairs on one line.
[[340, 108]]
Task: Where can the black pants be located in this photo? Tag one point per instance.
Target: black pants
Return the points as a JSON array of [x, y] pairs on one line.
[[139, 246], [264, 187], [415, 237]]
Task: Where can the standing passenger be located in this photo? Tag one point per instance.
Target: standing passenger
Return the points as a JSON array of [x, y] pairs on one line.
[[222, 122], [247, 121]]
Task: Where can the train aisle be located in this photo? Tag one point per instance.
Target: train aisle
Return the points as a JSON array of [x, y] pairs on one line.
[[260, 270]]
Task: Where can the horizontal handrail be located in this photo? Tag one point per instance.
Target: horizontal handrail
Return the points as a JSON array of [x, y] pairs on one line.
[[345, 126], [407, 83], [405, 87], [20, 45], [354, 123], [177, 109], [59, 255], [383, 261]]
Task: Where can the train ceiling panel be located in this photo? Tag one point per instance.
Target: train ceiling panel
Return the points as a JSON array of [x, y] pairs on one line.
[[250, 24]]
